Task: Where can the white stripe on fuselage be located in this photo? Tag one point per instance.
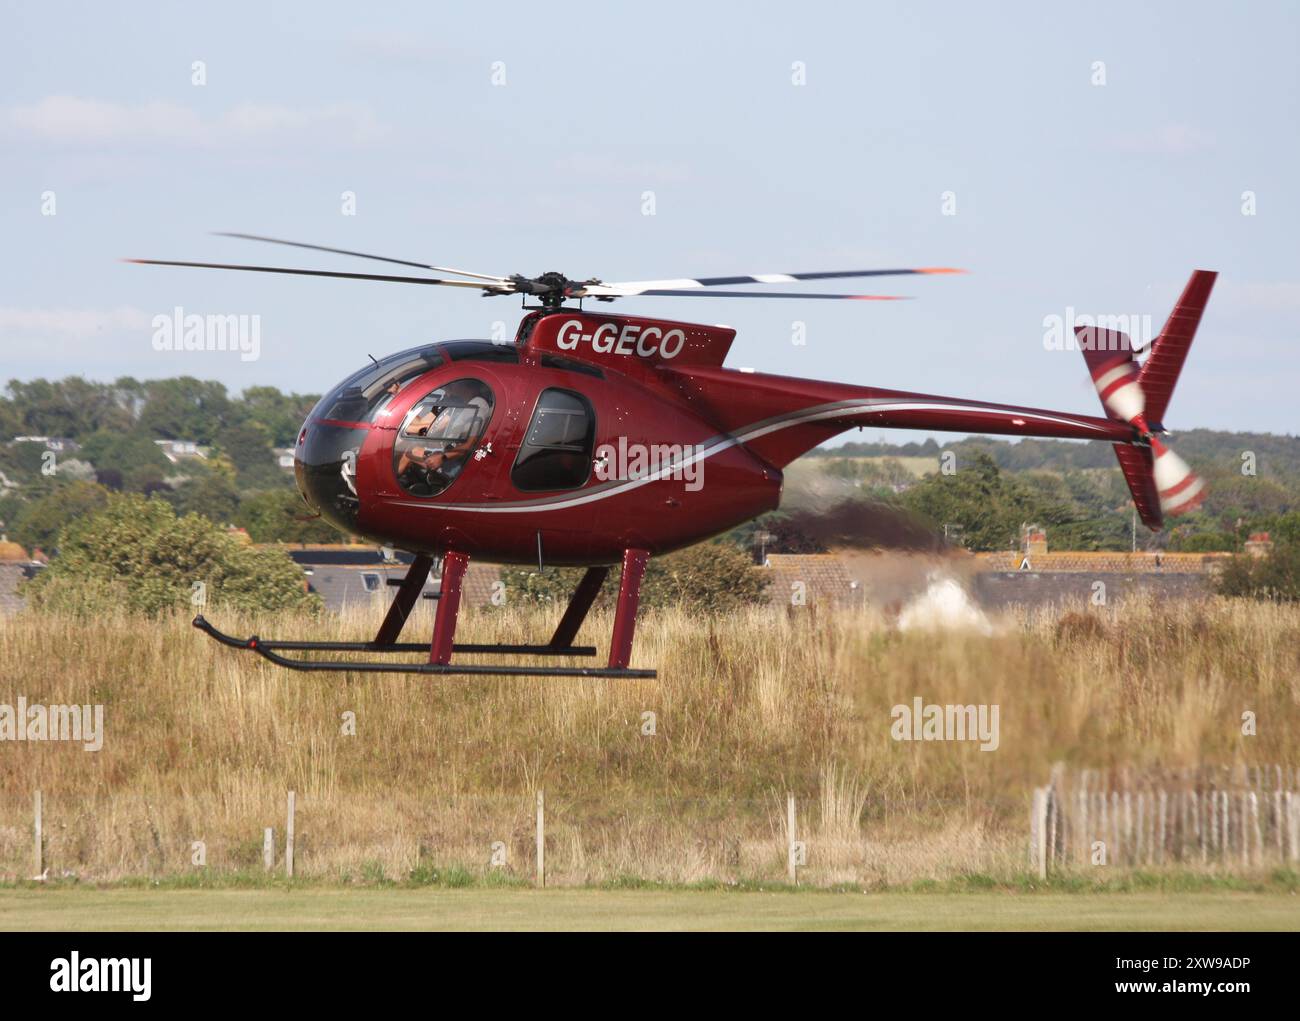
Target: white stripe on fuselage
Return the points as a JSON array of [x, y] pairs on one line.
[[752, 432]]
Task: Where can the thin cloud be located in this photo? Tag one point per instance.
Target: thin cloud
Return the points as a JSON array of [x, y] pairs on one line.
[[27, 324], [1262, 295], [1169, 140], [605, 167], [400, 47], [74, 120]]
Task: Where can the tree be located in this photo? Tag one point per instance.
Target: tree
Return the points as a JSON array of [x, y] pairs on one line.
[[184, 409], [989, 507], [280, 515], [132, 455], [713, 577], [38, 524], [22, 462], [281, 415], [1202, 542], [248, 446], [136, 553], [68, 407], [211, 494]]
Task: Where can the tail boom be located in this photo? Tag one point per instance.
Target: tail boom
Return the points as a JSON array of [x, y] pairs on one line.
[[779, 417]]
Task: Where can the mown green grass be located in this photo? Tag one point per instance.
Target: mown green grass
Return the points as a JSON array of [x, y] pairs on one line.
[[336, 909]]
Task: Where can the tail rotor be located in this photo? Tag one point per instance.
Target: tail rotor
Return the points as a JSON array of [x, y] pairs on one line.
[[1161, 482]]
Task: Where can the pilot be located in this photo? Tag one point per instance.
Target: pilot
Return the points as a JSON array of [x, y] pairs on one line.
[[449, 448]]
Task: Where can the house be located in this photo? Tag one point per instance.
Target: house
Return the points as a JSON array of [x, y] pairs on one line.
[[179, 450], [1259, 544], [284, 458], [58, 444], [15, 566], [800, 579], [346, 576]]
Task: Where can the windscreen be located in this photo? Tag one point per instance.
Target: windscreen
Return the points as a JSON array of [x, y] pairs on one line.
[[359, 396]]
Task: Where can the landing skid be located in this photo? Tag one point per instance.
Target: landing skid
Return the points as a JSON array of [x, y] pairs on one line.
[[271, 644], [441, 647]]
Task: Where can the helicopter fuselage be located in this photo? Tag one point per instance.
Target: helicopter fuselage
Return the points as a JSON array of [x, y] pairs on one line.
[[571, 447]]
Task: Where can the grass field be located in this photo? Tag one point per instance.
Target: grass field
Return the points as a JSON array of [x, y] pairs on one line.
[[399, 775], [486, 909]]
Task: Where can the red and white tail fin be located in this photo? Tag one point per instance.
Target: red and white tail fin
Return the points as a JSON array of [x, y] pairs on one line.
[[1161, 482]]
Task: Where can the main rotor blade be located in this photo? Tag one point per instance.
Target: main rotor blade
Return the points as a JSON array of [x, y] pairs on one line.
[[359, 255], [644, 286], [325, 273], [691, 293]]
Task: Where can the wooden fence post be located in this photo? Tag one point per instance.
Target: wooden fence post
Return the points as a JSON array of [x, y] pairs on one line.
[[1256, 828], [791, 842], [288, 838], [1113, 852], [1279, 824], [541, 838], [1038, 832], [38, 855], [268, 849], [1053, 816], [1083, 834], [1160, 837], [1293, 827], [1225, 826]]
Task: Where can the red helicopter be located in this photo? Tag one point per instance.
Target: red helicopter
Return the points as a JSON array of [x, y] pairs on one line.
[[587, 442]]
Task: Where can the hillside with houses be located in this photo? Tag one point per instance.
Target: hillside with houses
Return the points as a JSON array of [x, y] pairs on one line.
[[65, 445]]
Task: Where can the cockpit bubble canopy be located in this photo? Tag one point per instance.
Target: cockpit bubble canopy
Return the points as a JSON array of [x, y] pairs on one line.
[[362, 394], [440, 434]]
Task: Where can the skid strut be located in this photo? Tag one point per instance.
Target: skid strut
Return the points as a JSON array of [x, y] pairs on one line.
[[442, 646]]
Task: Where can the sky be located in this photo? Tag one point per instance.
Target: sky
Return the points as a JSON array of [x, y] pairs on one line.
[[1076, 161]]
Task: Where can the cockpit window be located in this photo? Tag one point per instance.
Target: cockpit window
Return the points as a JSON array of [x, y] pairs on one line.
[[556, 452], [364, 392], [439, 435]]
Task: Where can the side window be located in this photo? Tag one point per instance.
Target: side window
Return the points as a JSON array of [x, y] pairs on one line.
[[556, 452], [439, 435]]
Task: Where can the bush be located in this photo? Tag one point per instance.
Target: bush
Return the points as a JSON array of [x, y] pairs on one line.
[[1203, 542], [138, 554], [1274, 577], [280, 515], [712, 577]]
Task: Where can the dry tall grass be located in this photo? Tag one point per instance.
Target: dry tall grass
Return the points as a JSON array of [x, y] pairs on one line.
[[203, 742]]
